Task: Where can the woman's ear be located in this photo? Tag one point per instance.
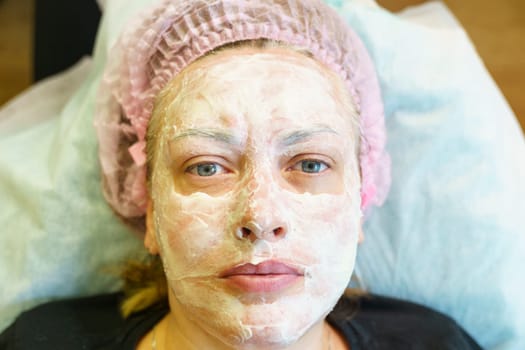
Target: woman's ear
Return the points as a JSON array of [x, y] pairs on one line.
[[150, 239]]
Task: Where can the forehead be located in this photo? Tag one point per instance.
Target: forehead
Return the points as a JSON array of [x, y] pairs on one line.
[[271, 89]]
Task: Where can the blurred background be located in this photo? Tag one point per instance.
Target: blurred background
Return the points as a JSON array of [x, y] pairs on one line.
[[497, 28]]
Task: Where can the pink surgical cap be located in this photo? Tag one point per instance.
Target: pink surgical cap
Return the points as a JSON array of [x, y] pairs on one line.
[[173, 33]]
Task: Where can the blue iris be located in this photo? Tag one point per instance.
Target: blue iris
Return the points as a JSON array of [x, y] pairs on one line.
[[311, 166], [206, 169]]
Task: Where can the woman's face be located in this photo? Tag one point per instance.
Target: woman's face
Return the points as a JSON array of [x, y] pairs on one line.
[[255, 194]]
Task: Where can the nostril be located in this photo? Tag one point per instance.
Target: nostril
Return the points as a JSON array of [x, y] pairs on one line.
[[256, 232], [279, 231], [245, 232]]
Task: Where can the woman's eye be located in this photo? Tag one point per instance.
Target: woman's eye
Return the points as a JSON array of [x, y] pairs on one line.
[[205, 169], [310, 166]]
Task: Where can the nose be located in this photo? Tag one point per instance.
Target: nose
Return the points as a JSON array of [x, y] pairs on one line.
[[263, 213], [271, 232]]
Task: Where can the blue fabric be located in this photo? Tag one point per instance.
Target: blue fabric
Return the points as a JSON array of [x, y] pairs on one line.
[[452, 232]]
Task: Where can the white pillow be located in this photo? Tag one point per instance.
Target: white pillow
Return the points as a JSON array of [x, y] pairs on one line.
[[452, 232], [59, 238]]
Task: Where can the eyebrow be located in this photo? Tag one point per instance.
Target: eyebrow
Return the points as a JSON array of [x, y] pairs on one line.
[[302, 135], [217, 135], [214, 134]]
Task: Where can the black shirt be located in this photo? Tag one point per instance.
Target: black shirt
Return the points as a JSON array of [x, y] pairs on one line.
[[367, 323]]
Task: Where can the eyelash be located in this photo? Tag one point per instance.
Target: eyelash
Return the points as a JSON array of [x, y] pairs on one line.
[[191, 169], [319, 164], [320, 167]]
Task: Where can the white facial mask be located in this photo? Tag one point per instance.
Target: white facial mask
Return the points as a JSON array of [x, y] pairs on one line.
[[260, 205]]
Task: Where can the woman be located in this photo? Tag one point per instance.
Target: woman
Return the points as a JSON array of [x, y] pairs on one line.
[[260, 125]]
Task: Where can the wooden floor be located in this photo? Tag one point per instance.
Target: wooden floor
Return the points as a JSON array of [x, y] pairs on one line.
[[496, 27], [16, 19]]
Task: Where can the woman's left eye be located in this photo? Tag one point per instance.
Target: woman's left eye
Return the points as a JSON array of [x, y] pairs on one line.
[[205, 169], [310, 166]]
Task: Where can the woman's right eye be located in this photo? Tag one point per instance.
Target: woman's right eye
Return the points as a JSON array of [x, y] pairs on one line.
[[205, 169]]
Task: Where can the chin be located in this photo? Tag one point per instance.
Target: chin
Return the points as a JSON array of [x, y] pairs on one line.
[[262, 325], [268, 338], [282, 322], [262, 337]]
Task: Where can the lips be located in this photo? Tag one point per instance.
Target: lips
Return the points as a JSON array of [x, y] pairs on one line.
[[266, 277]]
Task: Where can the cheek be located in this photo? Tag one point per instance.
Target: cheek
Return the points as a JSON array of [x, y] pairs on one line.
[[325, 231], [189, 222], [326, 219], [193, 233]]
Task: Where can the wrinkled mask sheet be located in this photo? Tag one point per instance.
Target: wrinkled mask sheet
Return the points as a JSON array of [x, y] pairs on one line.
[[255, 190]]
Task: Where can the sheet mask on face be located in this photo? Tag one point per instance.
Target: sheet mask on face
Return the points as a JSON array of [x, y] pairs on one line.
[[255, 194]]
